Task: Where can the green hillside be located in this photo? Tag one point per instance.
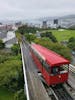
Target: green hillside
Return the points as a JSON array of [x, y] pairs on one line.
[[63, 34]]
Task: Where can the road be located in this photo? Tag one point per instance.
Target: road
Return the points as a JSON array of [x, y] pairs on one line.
[[36, 88]]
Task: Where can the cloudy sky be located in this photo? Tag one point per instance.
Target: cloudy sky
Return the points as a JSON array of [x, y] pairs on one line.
[[26, 9]]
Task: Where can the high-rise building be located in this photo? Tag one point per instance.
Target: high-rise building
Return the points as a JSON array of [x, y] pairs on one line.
[[44, 24], [55, 21]]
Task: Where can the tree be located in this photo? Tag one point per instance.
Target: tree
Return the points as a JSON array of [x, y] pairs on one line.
[[15, 49], [19, 95], [2, 45], [72, 39], [71, 43], [50, 36], [11, 73], [19, 37], [30, 37], [27, 29]]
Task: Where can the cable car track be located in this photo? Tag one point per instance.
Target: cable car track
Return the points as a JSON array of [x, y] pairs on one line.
[[61, 93], [57, 92]]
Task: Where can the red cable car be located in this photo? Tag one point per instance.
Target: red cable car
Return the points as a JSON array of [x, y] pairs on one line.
[[54, 68]]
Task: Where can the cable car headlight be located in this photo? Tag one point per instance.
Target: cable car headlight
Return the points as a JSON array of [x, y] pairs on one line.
[[59, 76]]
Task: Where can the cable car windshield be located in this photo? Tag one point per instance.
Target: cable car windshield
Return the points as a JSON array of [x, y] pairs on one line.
[[54, 70], [59, 69], [64, 68]]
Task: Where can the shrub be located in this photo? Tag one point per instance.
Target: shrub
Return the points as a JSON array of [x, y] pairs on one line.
[[15, 49], [2, 45], [19, 95]]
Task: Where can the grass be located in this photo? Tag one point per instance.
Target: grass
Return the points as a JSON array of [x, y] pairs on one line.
[[5, 94], [63, 35]]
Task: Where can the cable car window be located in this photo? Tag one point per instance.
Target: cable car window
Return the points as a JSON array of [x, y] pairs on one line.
[[64, 68], [54, 70], [46, 66]]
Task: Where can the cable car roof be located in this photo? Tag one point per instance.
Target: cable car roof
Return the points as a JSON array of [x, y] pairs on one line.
[[52, 58]]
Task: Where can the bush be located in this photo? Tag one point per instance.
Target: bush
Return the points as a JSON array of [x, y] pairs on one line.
[[19, 95], [15, 49], [71, 43], [50, 36], [27, 29], [3, 58], [72, 39], [11, 74], [30, 37], [2, 45]]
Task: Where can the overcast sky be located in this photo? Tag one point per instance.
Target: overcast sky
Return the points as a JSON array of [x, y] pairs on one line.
[[26, 9]]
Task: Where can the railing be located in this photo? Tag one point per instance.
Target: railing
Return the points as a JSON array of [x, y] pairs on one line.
[[25, 76], [72, 68]]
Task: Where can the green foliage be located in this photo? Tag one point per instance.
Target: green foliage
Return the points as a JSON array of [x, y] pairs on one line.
[[30, 37], [71, 43], [42, 41], [11, 75], [19, 95], [19, 36], [5, 94], [3, 58], [62, 34], [72, 39], [27, 29], [9, 71], [5, 53], [15, 49], [8, 56], [49, 35], [2, 45], [18, 57], [60, 49]]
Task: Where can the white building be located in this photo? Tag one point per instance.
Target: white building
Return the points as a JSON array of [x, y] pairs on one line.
[[10, 39]]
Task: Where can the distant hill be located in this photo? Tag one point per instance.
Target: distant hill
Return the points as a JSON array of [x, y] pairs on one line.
[[72, 27], [57, 17], [47, 18], [66, 21], [68, 17]]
